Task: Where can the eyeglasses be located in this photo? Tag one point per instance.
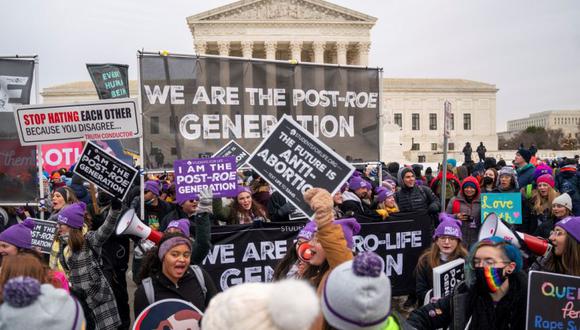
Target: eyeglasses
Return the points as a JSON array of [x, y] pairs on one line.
[[447, 238], [557, 233], [487, 262]]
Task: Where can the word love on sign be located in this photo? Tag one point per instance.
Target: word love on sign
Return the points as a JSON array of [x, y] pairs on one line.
[[507, 206]]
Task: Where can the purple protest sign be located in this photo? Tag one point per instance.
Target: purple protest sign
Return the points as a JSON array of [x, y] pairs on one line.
[[195, 174]]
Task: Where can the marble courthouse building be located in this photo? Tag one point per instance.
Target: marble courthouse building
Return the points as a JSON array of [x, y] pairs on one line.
[[318, 31]]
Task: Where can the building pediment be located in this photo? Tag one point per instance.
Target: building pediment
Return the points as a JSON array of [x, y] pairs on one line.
[[281, 10]]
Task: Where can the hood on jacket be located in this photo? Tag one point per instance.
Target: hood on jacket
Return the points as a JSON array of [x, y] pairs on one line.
[[350, 196], [401, 174], [506, 170], [472, 180]]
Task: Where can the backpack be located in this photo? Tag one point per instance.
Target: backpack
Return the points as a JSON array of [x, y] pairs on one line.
[[450, 190], [150, 291]]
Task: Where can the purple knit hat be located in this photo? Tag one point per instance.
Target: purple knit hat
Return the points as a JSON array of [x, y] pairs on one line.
[[152, 186], [350, 227], [19, 235], [181, 224], [242, 189], [448, 226], [180, 199], [356, 182], [541, 170], [73, 215], [571, 225], [308, 231], [384, 194]]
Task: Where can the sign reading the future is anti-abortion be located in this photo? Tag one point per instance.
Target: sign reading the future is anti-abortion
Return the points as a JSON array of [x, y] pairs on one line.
[[193, 175], [292, 161]]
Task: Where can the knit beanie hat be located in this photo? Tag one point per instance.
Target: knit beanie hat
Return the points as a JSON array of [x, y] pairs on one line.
[[489, 162], [357, 294], [180, 199], [384, 194], [284, 305], [152, 186], [30, 305], [356, 182], [181, 224], [563, 200], [468, 183], [19, 235], [546, 178], [526, 154], [448, 226], [63, 192], [507, 170], [242, 189], [308, 231], [571, 225], [73, 215], [541, 170], [452, 162], [350, 227]]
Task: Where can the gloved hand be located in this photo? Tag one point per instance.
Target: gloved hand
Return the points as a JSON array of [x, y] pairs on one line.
[[205, 201], [258, 222], [321, 203], [285, 209], [383, 213], [116, 204]]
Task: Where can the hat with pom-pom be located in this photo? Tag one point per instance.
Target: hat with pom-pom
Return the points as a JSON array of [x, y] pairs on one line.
[[284, 305], [19, 235], [448, 226], [51, 308], [73, 215], [541, 170], [365, 302], [546, 178]]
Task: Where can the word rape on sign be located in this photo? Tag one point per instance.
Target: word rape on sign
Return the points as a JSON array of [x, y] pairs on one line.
[[191, 176], [292, 161], [98, 120], [553, 301], [107, 172]]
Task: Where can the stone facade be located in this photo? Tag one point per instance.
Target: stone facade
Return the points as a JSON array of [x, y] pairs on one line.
[[566, 120]]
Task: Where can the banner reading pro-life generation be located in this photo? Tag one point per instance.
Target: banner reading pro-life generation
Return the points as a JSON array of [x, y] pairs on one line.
[[193, 105]]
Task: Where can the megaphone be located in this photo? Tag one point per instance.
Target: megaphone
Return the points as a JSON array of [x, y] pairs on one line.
[[493, 226], [304, 251], [130, 224]]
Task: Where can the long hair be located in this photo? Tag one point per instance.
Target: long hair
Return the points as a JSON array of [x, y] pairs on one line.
[[284, 265], [236, 209], [431, 256], [541, 204], [314, 274], [569, 262], [151, 263], [22, 264], [70, 197], [76, 239]]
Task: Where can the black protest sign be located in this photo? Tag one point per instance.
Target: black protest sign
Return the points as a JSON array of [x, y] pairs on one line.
[[234, 150], [106, 171], [447, 276], [43, 235], [16, 77], [111, 80], [553, 301], [292, 160]]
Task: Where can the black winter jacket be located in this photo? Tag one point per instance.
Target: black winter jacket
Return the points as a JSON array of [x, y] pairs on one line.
[[417, 198]]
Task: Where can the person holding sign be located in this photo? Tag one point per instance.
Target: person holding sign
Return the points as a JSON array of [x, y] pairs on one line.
[[447, 246], [466, 207], [245, 210], [565, 255], [493, 295], [79, 254]]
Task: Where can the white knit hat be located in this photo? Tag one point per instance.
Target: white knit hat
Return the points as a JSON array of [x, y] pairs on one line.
[[563, 200], [284, 305]]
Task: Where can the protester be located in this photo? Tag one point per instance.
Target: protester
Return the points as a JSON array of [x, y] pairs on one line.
[[415, 198], [447, 246], [467, 207], [467, 152], [386, 202], [428, 175], [292, 266], [568, 181], [419, 179], [561, 208], [353, 204], [525, 170], [284, 305], [79, 256], [538, 208], [167, 273], [186, 209], [260, 191], [23, 264], [540, 170], [178, 226], [489, 181], [452, 185], [17, 238], [481, 150], [490, 162], [565, 255], [155, 208], [508, 182], [357, 295], [32, 304], [61, 198], [493, 295], [245, 210], [80, 190]]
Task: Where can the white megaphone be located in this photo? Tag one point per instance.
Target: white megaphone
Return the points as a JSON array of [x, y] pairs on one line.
[[130, 224], [493, 226]]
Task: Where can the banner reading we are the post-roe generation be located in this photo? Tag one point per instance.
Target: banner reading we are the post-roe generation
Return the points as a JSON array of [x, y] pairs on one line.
[[197, 104]]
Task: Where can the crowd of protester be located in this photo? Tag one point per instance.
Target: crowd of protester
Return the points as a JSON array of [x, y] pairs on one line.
[[82, 283]]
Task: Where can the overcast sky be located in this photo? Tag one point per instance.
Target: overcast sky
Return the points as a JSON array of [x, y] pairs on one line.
[[529, 49]]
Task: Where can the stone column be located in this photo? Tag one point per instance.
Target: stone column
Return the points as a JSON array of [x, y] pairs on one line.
[[319, 47], [363, 53], [200, 47], [247, 48], [341, 52], [296, 50], [224, 48], [270, 47]]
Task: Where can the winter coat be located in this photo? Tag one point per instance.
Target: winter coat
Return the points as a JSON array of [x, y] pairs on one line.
[[526, 175], [465, 306], [435, 184], [459, 204], [188, 288], [568, 181], [86, 277], [352, 206], [279, 209], [467, 153], [481, 150], [424, 278], [417, 198]]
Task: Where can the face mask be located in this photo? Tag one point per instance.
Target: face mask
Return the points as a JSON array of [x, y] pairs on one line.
[[149, 202], [487, 180], [489, 279], [64, 237]]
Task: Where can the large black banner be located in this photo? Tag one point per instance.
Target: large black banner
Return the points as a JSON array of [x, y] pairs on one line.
[[18, 169], [197, 104], [242, 254]]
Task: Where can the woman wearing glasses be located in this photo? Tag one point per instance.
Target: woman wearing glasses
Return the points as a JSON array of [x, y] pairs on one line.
[[565, 255], [493, 295]]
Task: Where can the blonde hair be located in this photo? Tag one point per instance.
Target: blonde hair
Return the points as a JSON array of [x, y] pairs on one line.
[[541, 204]]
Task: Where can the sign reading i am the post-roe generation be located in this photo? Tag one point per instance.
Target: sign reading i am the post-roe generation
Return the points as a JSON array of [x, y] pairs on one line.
[[43, 235], [292, 160], [193, 175], [98, 120], [106, 171]]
